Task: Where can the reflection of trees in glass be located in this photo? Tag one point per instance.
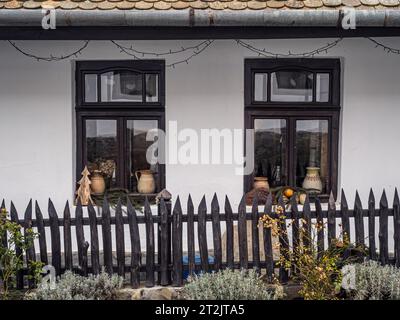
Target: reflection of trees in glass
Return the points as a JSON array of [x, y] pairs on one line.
[[101, 148], [270, 156]]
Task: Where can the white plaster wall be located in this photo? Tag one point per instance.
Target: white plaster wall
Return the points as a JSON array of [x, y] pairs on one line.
[[37, 117]]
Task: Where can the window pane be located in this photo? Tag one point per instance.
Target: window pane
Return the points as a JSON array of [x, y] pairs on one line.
[[312, 155], [102, 148], [151, 88], [260, 86], [291, 86], [91, 87], [322, 92], [121, 86], [270, 150], [137, 149]]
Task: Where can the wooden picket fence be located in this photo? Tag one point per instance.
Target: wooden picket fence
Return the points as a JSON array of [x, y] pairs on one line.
[[168, 268]]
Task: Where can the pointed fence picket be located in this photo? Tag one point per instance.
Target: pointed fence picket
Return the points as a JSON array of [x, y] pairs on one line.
[[243, 252]]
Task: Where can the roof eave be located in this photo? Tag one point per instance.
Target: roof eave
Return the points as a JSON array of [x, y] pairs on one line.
[[199, 18]]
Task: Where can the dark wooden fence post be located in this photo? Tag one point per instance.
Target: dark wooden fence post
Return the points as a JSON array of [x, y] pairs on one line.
[[18, 251], [30, 252], [163, 245], [149, 244], [107, 238], [344, 210], [202, 234], [255, 234], [4, 236], [55, 238], [268, 251], [359, 221], [306, 226], [67, 238], [80, 236], [190, 237], [216, 227], [283, 242], [229, 234], [319, 227], [383, 230], [371, 225], [331, 219], [135, 246], [42, 234], [120, 239], [177, 243], [242, 235], [94, 240], [396, 224]]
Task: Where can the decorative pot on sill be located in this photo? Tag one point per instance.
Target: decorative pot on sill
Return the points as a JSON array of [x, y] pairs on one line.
[[312, 181], [146, 183], [261, 182], [98, 185]]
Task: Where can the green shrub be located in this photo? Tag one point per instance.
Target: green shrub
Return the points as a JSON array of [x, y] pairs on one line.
[[229, 285], [12, 260], [376, 282], [74, 287]]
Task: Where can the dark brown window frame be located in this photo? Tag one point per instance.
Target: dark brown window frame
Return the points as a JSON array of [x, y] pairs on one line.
[[121, 111], [293, 111]]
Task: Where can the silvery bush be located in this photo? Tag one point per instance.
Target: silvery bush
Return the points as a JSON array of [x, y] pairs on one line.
[[376, 282], [229, 285], [71, 286]]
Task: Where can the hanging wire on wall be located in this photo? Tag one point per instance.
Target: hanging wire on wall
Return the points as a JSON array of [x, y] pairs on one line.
[[160, 54], [266, 53], [137, 54], [51, 57], [384, 47]]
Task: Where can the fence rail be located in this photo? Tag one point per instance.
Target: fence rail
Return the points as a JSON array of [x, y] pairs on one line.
[[168, 267]]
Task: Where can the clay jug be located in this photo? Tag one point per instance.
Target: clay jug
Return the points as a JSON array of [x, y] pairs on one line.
[[146, 183], [261, 182], [312, 180], [98, 185]]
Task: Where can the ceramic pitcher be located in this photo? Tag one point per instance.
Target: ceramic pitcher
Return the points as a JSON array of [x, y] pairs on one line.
[[146, 183]]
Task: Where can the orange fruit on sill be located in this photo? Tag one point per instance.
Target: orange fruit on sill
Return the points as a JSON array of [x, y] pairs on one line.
[[288, 193]]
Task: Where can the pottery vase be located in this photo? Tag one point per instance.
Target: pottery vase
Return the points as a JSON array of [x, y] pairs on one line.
[[98, 184], [312, 181], [261, 182], [146, 182]]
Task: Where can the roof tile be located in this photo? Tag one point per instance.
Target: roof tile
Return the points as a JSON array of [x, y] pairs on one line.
[[106, 5], [217, 5], [236, 5], [14, 4], [256, 5], [389, 3], [332, 3], [351, 3], [275, 4], [294, 4], [125, 5], [180, 5], [313, 3], [199, 5], [162, 5], [87, 5], [143, 5], [370, 2], [30, 4]]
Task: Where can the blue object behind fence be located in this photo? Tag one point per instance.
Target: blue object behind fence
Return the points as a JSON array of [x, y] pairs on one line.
[[197, 261]]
